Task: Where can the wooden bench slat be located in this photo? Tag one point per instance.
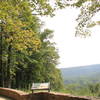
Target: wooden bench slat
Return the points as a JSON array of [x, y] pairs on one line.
[[40, 86]]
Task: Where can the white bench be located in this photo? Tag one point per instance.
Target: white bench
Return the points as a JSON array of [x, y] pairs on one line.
[[40, 86]]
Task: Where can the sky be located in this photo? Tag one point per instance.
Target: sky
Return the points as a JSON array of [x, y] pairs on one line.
[[73, 51]]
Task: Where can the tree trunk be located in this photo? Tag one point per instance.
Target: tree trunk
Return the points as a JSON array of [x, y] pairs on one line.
[[9, 67], [1, 64], [17, 79]]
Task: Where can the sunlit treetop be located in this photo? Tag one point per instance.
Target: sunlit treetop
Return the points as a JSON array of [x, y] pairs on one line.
[[18, 25], [24, 9]]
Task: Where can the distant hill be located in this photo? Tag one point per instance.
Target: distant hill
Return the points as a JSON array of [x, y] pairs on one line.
[[87, 73]]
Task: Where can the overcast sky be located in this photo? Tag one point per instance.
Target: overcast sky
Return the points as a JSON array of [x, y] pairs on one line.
[[73, 51]]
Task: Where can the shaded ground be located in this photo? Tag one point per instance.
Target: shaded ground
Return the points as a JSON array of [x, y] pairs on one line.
[[4, 98], [95, 99]]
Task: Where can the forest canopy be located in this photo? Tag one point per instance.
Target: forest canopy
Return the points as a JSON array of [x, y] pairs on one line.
[[26, 53]]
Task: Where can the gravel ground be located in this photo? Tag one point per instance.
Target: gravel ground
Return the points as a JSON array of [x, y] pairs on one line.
[[95, 99], [4, 98]]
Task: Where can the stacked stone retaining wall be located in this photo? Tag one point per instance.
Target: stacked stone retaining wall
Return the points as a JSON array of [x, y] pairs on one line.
[[55, 96], [19, 95], [14, 94]]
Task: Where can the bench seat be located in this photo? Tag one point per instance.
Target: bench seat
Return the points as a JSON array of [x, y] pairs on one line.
[[40, 86]]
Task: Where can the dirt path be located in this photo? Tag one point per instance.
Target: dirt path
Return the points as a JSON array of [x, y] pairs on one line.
[[4, 98]]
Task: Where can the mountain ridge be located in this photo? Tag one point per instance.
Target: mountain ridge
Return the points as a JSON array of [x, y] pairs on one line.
[[89, 72]]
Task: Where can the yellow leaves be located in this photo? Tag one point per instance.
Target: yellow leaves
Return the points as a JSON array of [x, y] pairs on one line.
[[16, 29], [37, 44], [42, 1], [5, 9], [8, 40], [98, 22], [19, 46], [25, 39], [93, 24], [20, 38], [36, 41]]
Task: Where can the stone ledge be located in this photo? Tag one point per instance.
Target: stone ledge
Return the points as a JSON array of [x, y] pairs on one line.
[[14, 94], [55, 96], [19, 95]]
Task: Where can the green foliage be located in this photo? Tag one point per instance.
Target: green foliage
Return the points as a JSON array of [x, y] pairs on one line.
[[46, 7], [46, 60], [88, 89], [15, 20], [88, 10], [26, 54]]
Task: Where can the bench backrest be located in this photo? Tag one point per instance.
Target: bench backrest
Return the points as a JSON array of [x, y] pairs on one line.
[[40, 86]]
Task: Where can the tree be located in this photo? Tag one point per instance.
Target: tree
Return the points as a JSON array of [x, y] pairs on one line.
[[16, 33], [41, 65], [50, 60], [26, 53], [88, 9]]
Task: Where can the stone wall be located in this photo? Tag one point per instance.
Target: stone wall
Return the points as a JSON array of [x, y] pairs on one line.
[[19, 95], [55, 96], [14, 94]]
